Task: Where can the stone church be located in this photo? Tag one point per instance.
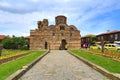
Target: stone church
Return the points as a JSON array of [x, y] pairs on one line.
[[58, 36]]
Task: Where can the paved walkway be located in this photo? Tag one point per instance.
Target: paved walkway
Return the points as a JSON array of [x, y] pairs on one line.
[[59, 65]]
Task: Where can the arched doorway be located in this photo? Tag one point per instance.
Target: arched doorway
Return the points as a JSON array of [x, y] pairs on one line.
[[46, 44], [63, 44]]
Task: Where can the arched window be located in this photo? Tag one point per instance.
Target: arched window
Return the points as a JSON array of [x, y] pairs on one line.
[[53, 34], [62, 34], [62, 28], [71, 29]]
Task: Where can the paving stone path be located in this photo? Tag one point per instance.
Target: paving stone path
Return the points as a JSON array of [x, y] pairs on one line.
[[60, 65]]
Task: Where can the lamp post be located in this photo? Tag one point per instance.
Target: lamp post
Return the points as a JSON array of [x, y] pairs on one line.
[[103, 43]]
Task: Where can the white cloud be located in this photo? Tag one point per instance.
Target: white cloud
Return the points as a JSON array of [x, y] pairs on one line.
[[34, 0], [21, 14], [5, 4]]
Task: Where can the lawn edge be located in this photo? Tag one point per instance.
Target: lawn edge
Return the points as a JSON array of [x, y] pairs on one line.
[[20, 72], [108, 74], [14, 58]]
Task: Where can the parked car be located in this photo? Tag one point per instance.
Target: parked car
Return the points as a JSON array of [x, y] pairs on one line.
[[117, 42], [112, 47], [95, 46]]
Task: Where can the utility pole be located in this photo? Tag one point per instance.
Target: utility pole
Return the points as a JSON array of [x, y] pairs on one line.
[[103, 43]]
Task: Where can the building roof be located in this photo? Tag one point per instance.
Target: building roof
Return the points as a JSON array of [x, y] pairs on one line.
[[89, 35], [110, 32], [115, 31], [2, 37], [60, 16], [27, 37], [101, 34]]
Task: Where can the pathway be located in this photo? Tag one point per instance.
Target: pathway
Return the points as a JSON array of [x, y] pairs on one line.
[[60, 65]]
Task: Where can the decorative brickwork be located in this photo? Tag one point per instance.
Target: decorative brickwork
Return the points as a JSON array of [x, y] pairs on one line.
[[58, 36]]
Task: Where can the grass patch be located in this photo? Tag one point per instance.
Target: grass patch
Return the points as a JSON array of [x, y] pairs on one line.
[[108, 64], [10, 53], [11, 67]]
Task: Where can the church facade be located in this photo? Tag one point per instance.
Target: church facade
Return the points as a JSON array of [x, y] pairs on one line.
[[58, 36]]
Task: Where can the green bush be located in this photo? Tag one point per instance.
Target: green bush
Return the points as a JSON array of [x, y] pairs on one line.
[[15, 43]]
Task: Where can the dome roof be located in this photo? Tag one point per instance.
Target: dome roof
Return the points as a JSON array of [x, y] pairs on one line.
[[72, 26]]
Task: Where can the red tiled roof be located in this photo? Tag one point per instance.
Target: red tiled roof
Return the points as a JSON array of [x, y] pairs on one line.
[[111, 32], [101, 34], [27, 37], [88, 35], [115, 31], [2, 37]]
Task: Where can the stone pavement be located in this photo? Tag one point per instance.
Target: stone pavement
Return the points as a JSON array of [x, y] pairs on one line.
[[60, 65]]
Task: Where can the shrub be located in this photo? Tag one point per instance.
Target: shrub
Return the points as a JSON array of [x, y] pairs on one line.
[[15, 43]]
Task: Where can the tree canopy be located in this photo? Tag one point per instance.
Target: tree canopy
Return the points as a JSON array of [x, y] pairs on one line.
[[15, 43], [93, 39]]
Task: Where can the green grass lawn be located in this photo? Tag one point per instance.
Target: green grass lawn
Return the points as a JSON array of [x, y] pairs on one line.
[[108, 64], [100, 51], [8, 68]]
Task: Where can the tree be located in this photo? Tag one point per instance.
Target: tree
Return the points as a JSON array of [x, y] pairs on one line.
[[92, 39], [15, 43], [6, 43]]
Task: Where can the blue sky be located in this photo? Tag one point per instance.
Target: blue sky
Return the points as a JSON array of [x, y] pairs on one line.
[[18, 17]]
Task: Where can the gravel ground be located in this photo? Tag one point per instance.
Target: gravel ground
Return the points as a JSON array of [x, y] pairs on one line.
[[60, 65]]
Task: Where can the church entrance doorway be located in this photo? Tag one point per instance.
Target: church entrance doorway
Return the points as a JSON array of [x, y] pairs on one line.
[[63, 44], [46, 44]]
